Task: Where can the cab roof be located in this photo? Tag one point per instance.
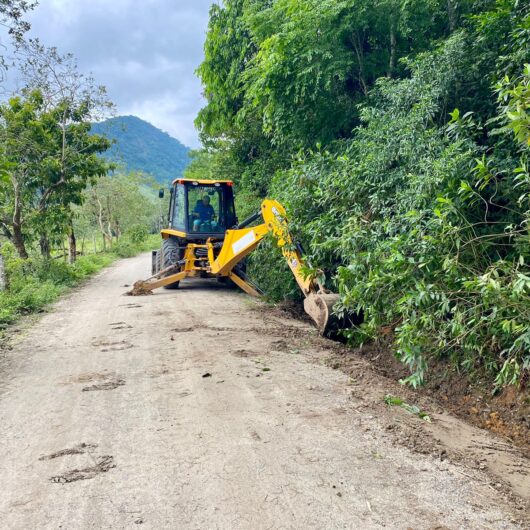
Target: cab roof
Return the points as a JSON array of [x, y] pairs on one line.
[[202, 181]]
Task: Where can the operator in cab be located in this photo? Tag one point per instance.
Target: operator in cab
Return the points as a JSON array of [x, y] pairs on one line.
[[203, 213]]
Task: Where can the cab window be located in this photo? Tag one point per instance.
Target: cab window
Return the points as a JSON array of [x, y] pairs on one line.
[[179, 211], [205, 205]]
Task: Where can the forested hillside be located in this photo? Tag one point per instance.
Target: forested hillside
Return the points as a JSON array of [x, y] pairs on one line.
[[140, 146], [397, 134]]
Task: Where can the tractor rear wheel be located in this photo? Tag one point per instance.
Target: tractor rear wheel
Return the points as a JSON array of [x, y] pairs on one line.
[[155, 262], [171, 254]]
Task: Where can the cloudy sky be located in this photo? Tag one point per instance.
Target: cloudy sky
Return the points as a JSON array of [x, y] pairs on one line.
[[144, 51]]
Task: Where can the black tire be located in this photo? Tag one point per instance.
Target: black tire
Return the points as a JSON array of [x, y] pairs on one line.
[[171, 253], [241, 267], [225, 280]]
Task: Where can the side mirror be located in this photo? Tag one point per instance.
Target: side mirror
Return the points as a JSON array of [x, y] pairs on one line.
[[161, 193]]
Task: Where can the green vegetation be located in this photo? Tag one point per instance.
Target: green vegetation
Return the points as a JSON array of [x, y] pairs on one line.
[[47, 159], [397, 134], [116, 206], [138, 146], [64, 211], [394, 401], [36, 282]]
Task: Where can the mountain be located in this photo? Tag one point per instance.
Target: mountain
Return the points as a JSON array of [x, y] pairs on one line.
[[140, 146]]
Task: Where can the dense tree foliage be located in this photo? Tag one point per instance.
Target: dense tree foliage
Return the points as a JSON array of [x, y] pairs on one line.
[[12, 19], [48, 158], [397, 134], [122, 204]]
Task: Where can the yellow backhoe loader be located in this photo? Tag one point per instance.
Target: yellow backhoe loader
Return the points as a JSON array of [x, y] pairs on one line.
[[204, 239]]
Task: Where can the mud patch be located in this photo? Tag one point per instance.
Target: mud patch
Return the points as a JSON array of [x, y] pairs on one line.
[[158, 371], [109, 345], [107, 385], [244, 354], [89, 377], [102, 465], [183, 330], [285, 331], [119, 325], [218, 328], [291, 309], [280, 346], [79, 449]]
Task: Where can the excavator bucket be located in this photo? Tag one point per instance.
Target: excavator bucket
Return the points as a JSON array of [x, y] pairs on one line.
[[319, 306]]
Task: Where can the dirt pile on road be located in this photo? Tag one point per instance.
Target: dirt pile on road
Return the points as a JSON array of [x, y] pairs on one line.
[[140, 288]]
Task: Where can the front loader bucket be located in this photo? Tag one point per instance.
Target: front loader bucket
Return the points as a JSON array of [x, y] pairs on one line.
[[319, 306]]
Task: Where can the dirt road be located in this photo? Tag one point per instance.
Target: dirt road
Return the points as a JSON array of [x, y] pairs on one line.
[[199, 408]]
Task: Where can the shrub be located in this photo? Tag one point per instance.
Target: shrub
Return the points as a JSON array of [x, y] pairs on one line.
[[37, 282], [137, 234], [124, 249], [425, 228]]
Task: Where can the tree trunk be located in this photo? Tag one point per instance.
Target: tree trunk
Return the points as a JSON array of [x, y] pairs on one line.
[[72, 246], [18, 237], [44, 243], [393, 47], [452, 15], [18, 241], [357, 43], [94, 243], [3, 281]]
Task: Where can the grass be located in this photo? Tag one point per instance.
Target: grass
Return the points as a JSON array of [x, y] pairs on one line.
[[36, 283], [412, 409]]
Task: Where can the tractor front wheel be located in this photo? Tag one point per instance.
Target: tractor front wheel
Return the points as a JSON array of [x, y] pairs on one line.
[[171, 252]]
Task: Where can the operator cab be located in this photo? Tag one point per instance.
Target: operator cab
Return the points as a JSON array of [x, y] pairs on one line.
[[201, 208]]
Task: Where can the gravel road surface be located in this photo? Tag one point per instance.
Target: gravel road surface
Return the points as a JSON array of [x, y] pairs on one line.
[[200, 408]]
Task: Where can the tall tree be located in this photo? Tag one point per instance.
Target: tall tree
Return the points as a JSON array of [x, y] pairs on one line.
[[12, 18], [73, 98], [49, 156]]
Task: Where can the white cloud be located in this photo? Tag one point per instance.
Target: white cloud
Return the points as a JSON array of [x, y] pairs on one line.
[[144, 52]]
